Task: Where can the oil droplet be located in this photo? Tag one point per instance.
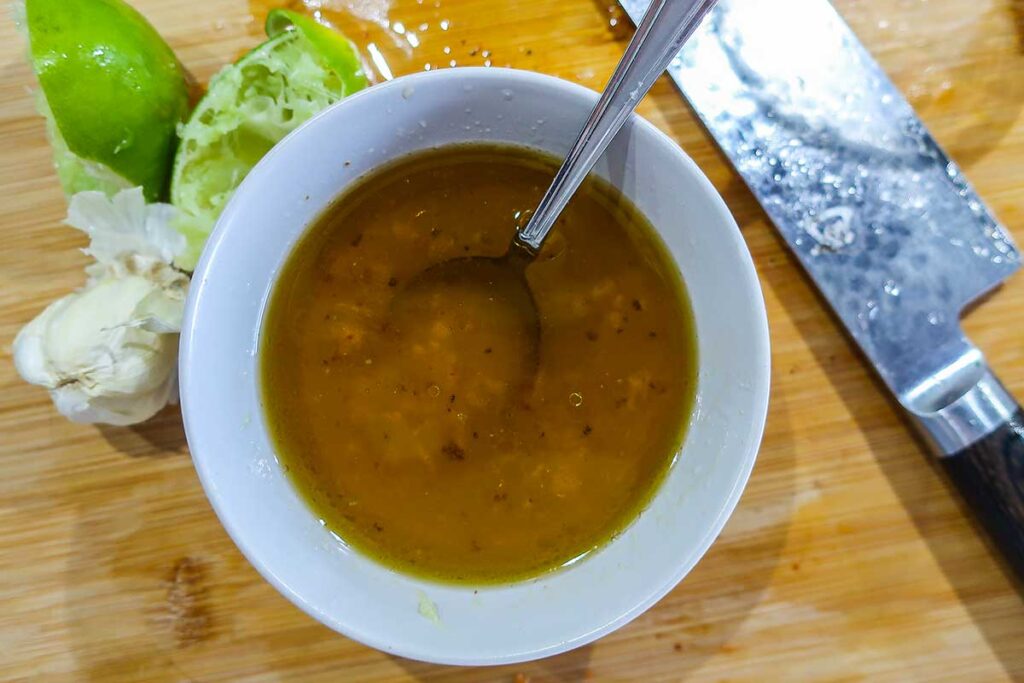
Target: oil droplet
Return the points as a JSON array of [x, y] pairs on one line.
[[576, 399]]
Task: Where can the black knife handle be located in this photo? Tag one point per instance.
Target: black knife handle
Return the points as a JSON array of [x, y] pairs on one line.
[[990, 475]]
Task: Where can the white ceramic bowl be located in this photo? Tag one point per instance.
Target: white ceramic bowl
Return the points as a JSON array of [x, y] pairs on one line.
[[282, 537]]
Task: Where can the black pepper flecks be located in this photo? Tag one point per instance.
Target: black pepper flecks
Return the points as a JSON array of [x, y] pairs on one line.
[[454, 451]]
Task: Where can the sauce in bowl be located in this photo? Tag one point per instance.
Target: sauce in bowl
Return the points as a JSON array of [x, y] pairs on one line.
[[415, 439]]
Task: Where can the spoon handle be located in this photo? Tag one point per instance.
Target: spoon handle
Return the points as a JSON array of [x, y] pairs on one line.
[[666, 25]]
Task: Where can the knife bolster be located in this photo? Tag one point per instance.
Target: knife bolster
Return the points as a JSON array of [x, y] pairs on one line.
[[975, 413]]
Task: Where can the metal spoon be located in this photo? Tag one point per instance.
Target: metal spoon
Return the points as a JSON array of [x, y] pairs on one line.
[[661, 33]]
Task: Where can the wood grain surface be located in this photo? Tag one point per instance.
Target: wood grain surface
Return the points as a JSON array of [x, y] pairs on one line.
[[848, 558]]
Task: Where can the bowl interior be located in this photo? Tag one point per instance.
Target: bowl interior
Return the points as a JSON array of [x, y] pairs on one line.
[[274, 527]]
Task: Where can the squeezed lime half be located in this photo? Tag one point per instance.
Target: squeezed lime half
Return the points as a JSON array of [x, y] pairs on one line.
[[249, 107]]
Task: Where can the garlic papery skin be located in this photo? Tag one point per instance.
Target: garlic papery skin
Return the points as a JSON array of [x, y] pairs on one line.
[[107, 353]]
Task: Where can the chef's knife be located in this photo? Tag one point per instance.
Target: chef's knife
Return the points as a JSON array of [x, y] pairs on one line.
[[884, 223]]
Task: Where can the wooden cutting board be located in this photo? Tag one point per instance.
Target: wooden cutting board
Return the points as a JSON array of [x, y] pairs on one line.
[[848, 557]]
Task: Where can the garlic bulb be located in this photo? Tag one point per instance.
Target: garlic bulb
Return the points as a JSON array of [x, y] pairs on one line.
[[108, 352]]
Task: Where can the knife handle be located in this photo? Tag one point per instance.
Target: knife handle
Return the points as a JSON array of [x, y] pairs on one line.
[[990, 476]]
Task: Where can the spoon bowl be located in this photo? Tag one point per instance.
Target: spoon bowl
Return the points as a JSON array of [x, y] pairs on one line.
[[496, 285], [666, 25]]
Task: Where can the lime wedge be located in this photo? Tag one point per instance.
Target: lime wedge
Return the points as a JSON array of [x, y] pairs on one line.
[[112, 92], [249, 107]]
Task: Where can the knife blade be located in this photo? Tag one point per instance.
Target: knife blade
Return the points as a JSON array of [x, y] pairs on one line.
[[882, 220]]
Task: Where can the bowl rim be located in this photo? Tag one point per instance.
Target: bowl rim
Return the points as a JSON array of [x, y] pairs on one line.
[[760, 346]]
